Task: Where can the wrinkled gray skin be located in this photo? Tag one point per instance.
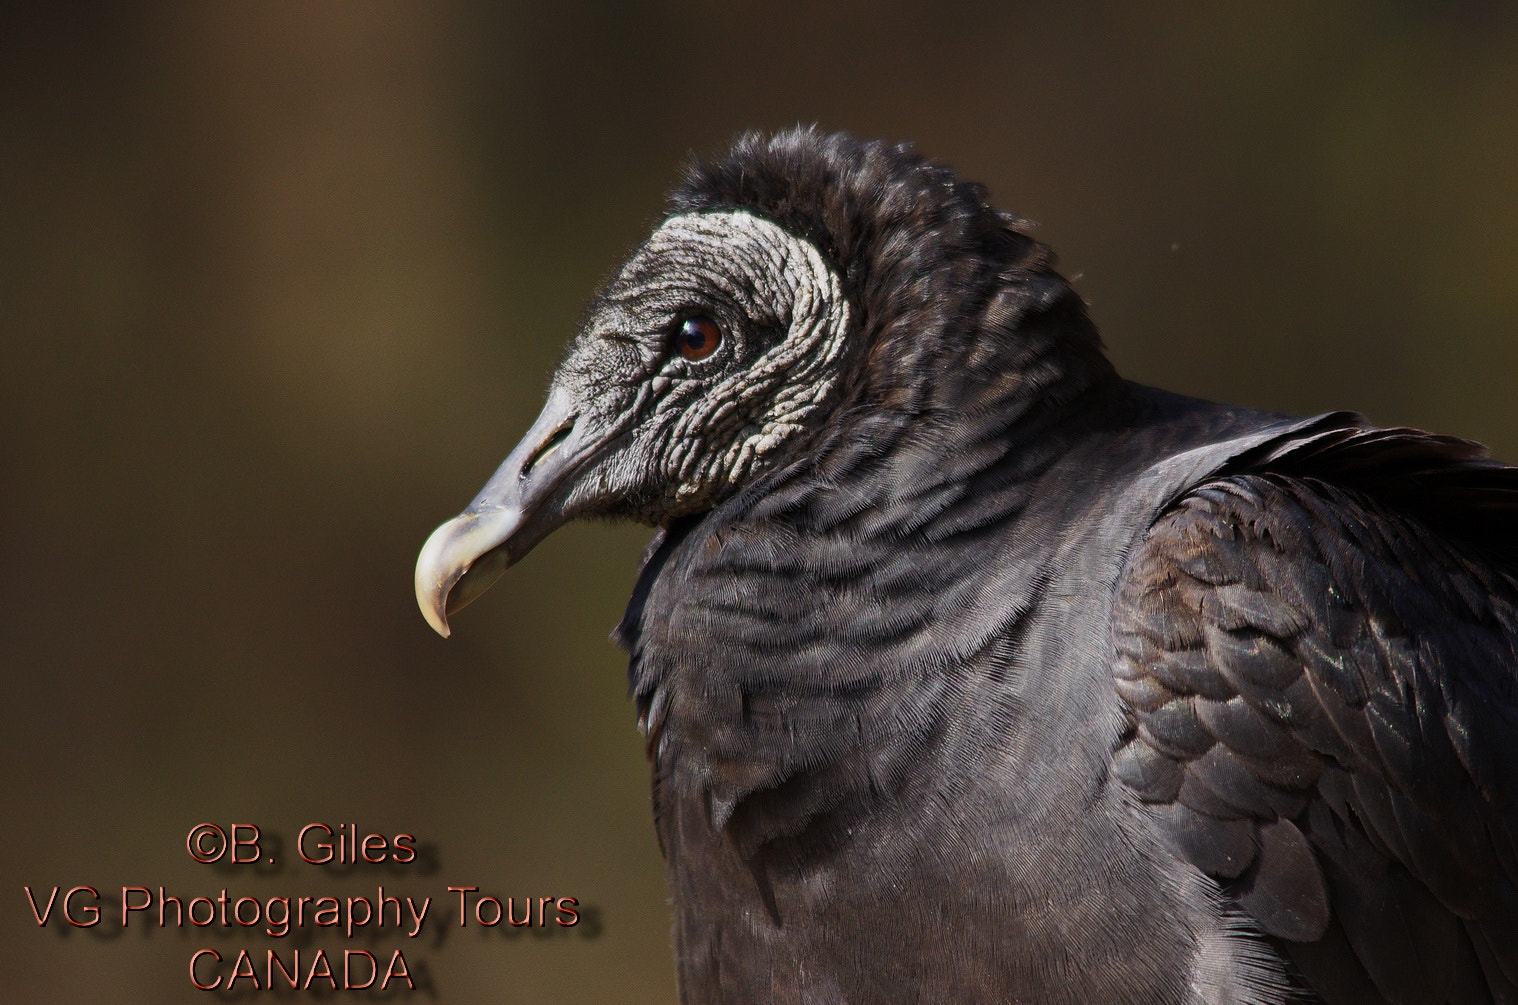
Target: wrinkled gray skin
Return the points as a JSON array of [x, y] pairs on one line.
[[633, 429]]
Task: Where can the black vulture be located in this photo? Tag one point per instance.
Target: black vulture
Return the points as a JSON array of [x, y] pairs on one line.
[[970, 671]]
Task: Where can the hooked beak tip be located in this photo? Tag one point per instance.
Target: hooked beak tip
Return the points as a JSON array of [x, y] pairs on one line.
[[435, 577], [460, 561]]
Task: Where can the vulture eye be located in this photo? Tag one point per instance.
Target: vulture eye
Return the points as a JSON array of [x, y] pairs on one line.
[[698, 337]]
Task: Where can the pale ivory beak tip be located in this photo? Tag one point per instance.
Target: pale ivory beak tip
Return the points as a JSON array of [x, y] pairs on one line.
[[435, 577], [460, 561]]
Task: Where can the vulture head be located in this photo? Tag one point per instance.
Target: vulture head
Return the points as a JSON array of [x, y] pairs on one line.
[[796, 283]]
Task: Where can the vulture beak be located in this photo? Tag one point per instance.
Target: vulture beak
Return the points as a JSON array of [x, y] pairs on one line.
[[520, 505]]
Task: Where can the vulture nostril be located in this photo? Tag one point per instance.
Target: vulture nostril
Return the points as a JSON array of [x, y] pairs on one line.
[[549, 446]]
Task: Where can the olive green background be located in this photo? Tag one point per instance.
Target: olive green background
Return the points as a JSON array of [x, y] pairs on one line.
[[281, 285]]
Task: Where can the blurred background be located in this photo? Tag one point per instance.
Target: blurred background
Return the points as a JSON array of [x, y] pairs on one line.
[[281, 284]]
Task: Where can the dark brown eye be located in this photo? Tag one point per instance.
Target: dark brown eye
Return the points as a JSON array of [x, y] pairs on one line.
[[698, 337]]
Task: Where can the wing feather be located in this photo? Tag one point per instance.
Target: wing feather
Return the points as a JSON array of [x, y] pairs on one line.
[[1324, 697]]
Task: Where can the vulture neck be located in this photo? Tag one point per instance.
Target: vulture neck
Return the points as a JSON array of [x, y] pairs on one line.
[[946, 436], [802, 629]]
